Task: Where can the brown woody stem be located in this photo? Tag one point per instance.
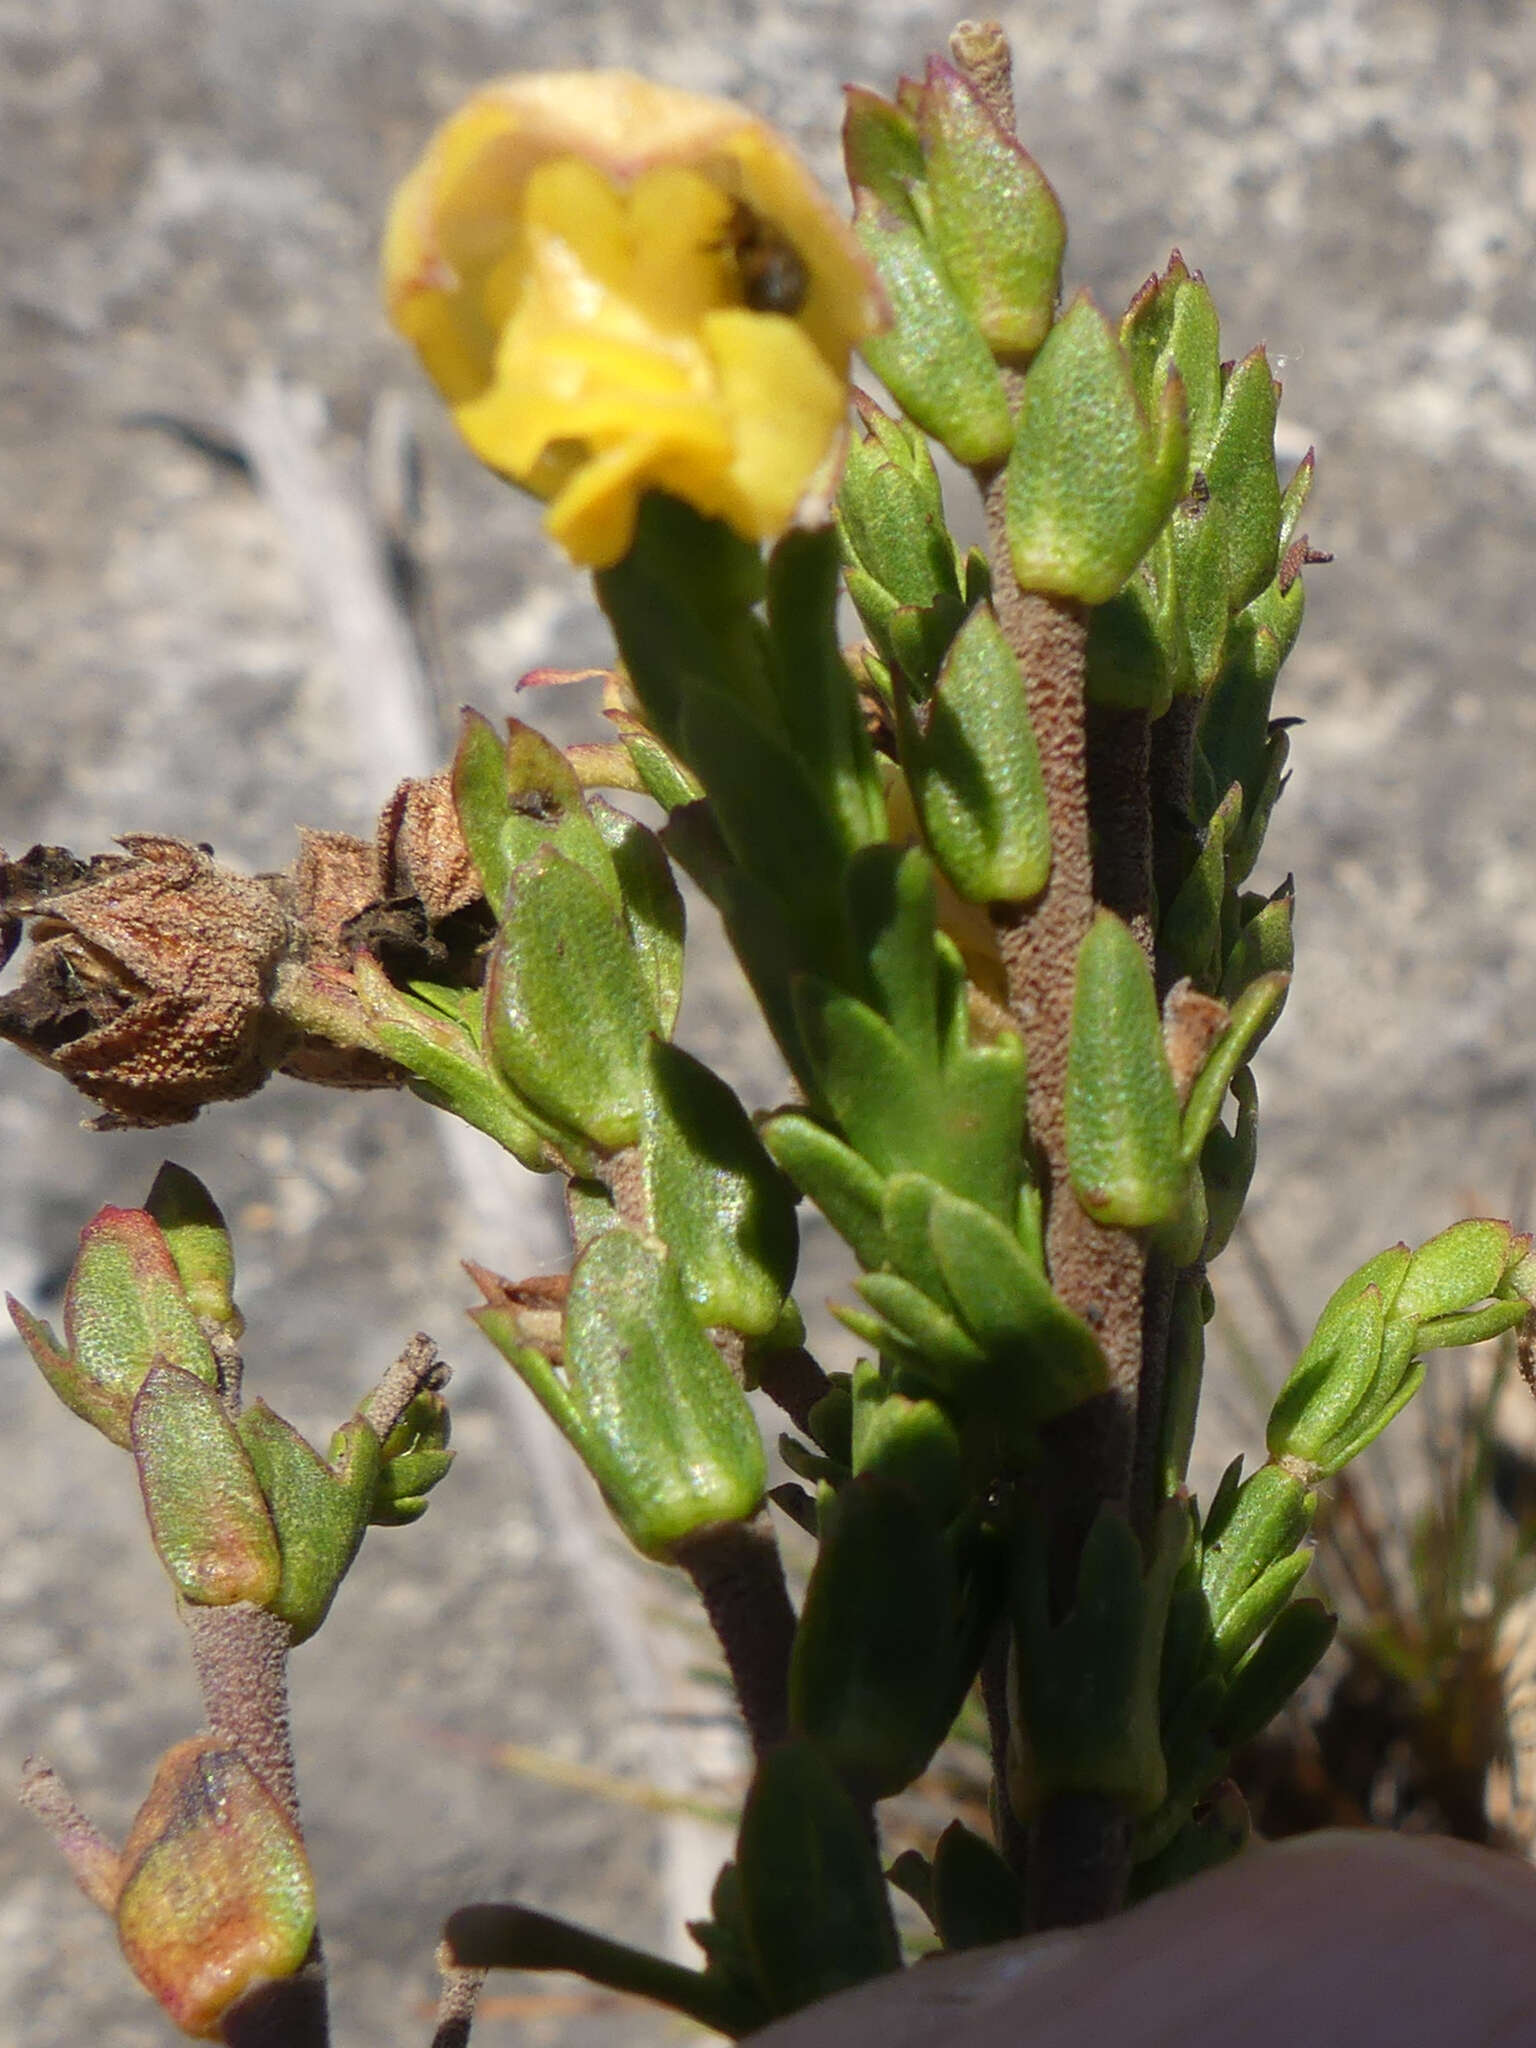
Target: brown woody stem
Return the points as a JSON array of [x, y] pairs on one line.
[[739, 1574], [240, 1655], [1096, 769], [793, 1381]]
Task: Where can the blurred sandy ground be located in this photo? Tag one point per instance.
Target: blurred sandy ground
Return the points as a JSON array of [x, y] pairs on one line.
[[191, 191]]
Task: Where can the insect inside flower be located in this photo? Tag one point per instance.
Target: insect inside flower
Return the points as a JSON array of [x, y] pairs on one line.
[[773, 275]]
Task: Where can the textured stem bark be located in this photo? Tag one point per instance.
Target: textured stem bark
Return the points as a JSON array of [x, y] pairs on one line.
[[1096, 767], [1096, 1272], [456, 2002], [92, 1860], [740, 1577], [1080, 1861], [240, 1655]]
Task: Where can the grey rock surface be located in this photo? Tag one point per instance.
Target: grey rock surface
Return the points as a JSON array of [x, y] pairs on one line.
[[192, 190]]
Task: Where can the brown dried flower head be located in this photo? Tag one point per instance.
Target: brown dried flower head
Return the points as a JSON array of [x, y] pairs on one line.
[[148, 979], [159, 981]]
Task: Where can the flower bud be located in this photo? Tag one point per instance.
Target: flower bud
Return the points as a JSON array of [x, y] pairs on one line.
[[126, 1308], [217, 1893]]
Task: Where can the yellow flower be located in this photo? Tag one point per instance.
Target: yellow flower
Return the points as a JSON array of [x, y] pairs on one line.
[[620, 288]]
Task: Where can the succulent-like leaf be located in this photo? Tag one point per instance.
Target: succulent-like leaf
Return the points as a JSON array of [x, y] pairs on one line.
[[813, 1900], [872, 1677], [568, 1014], [717, 1201], [320, 1510], [974, 771], [1091, 478], [208, 1517], [1122, 1110]]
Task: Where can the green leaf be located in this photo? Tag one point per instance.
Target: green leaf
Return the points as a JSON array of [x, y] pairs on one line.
[[1181, 1387], [1335, 1371], [450, 1071], [995, 223], [932, 358], [908, 1206], [876, 1087], [890, 513], [813, 1899], [717, 1201], [890, 894], [1248, 842], [1051, 1357], [1189, 932], [927, 1328], [198, 1240], [1252, 1016], [681, 606], [666, 781], [652, 905], [977, 1900], [1239, 466], [207, 1516], [1276, 1671], [1137, 640], [1171, 324], [1198, 540], [909, 1443], [974, 771], [651, 1406], [773, 818], [320, 1510], [1122, 1111], [846, 1190], [814, 690], [872, 1676], [568, 1014], [1454, 1270], [920, 637], [881, 149], [1227, 1160], [547, 806], [125, 1309], [1266, 943], [1085, 1690], [1252, 1612], [1268, 1520], [1091, 479], [479, 780]]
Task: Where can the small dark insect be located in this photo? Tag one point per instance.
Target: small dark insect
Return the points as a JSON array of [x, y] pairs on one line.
[[774, 278]]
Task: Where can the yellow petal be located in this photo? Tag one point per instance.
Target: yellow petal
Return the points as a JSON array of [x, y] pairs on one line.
[[580, 261]]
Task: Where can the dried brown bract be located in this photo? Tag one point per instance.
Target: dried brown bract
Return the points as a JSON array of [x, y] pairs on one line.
[[159, 980], [149, 978]]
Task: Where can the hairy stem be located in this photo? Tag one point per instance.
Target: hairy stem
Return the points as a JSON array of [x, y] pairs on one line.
[[739, 1573], [793, 1381], [418, 1369], [1095, 1271], [93, 1862], [1096, 768], [457, 2000], [240, 1655]]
